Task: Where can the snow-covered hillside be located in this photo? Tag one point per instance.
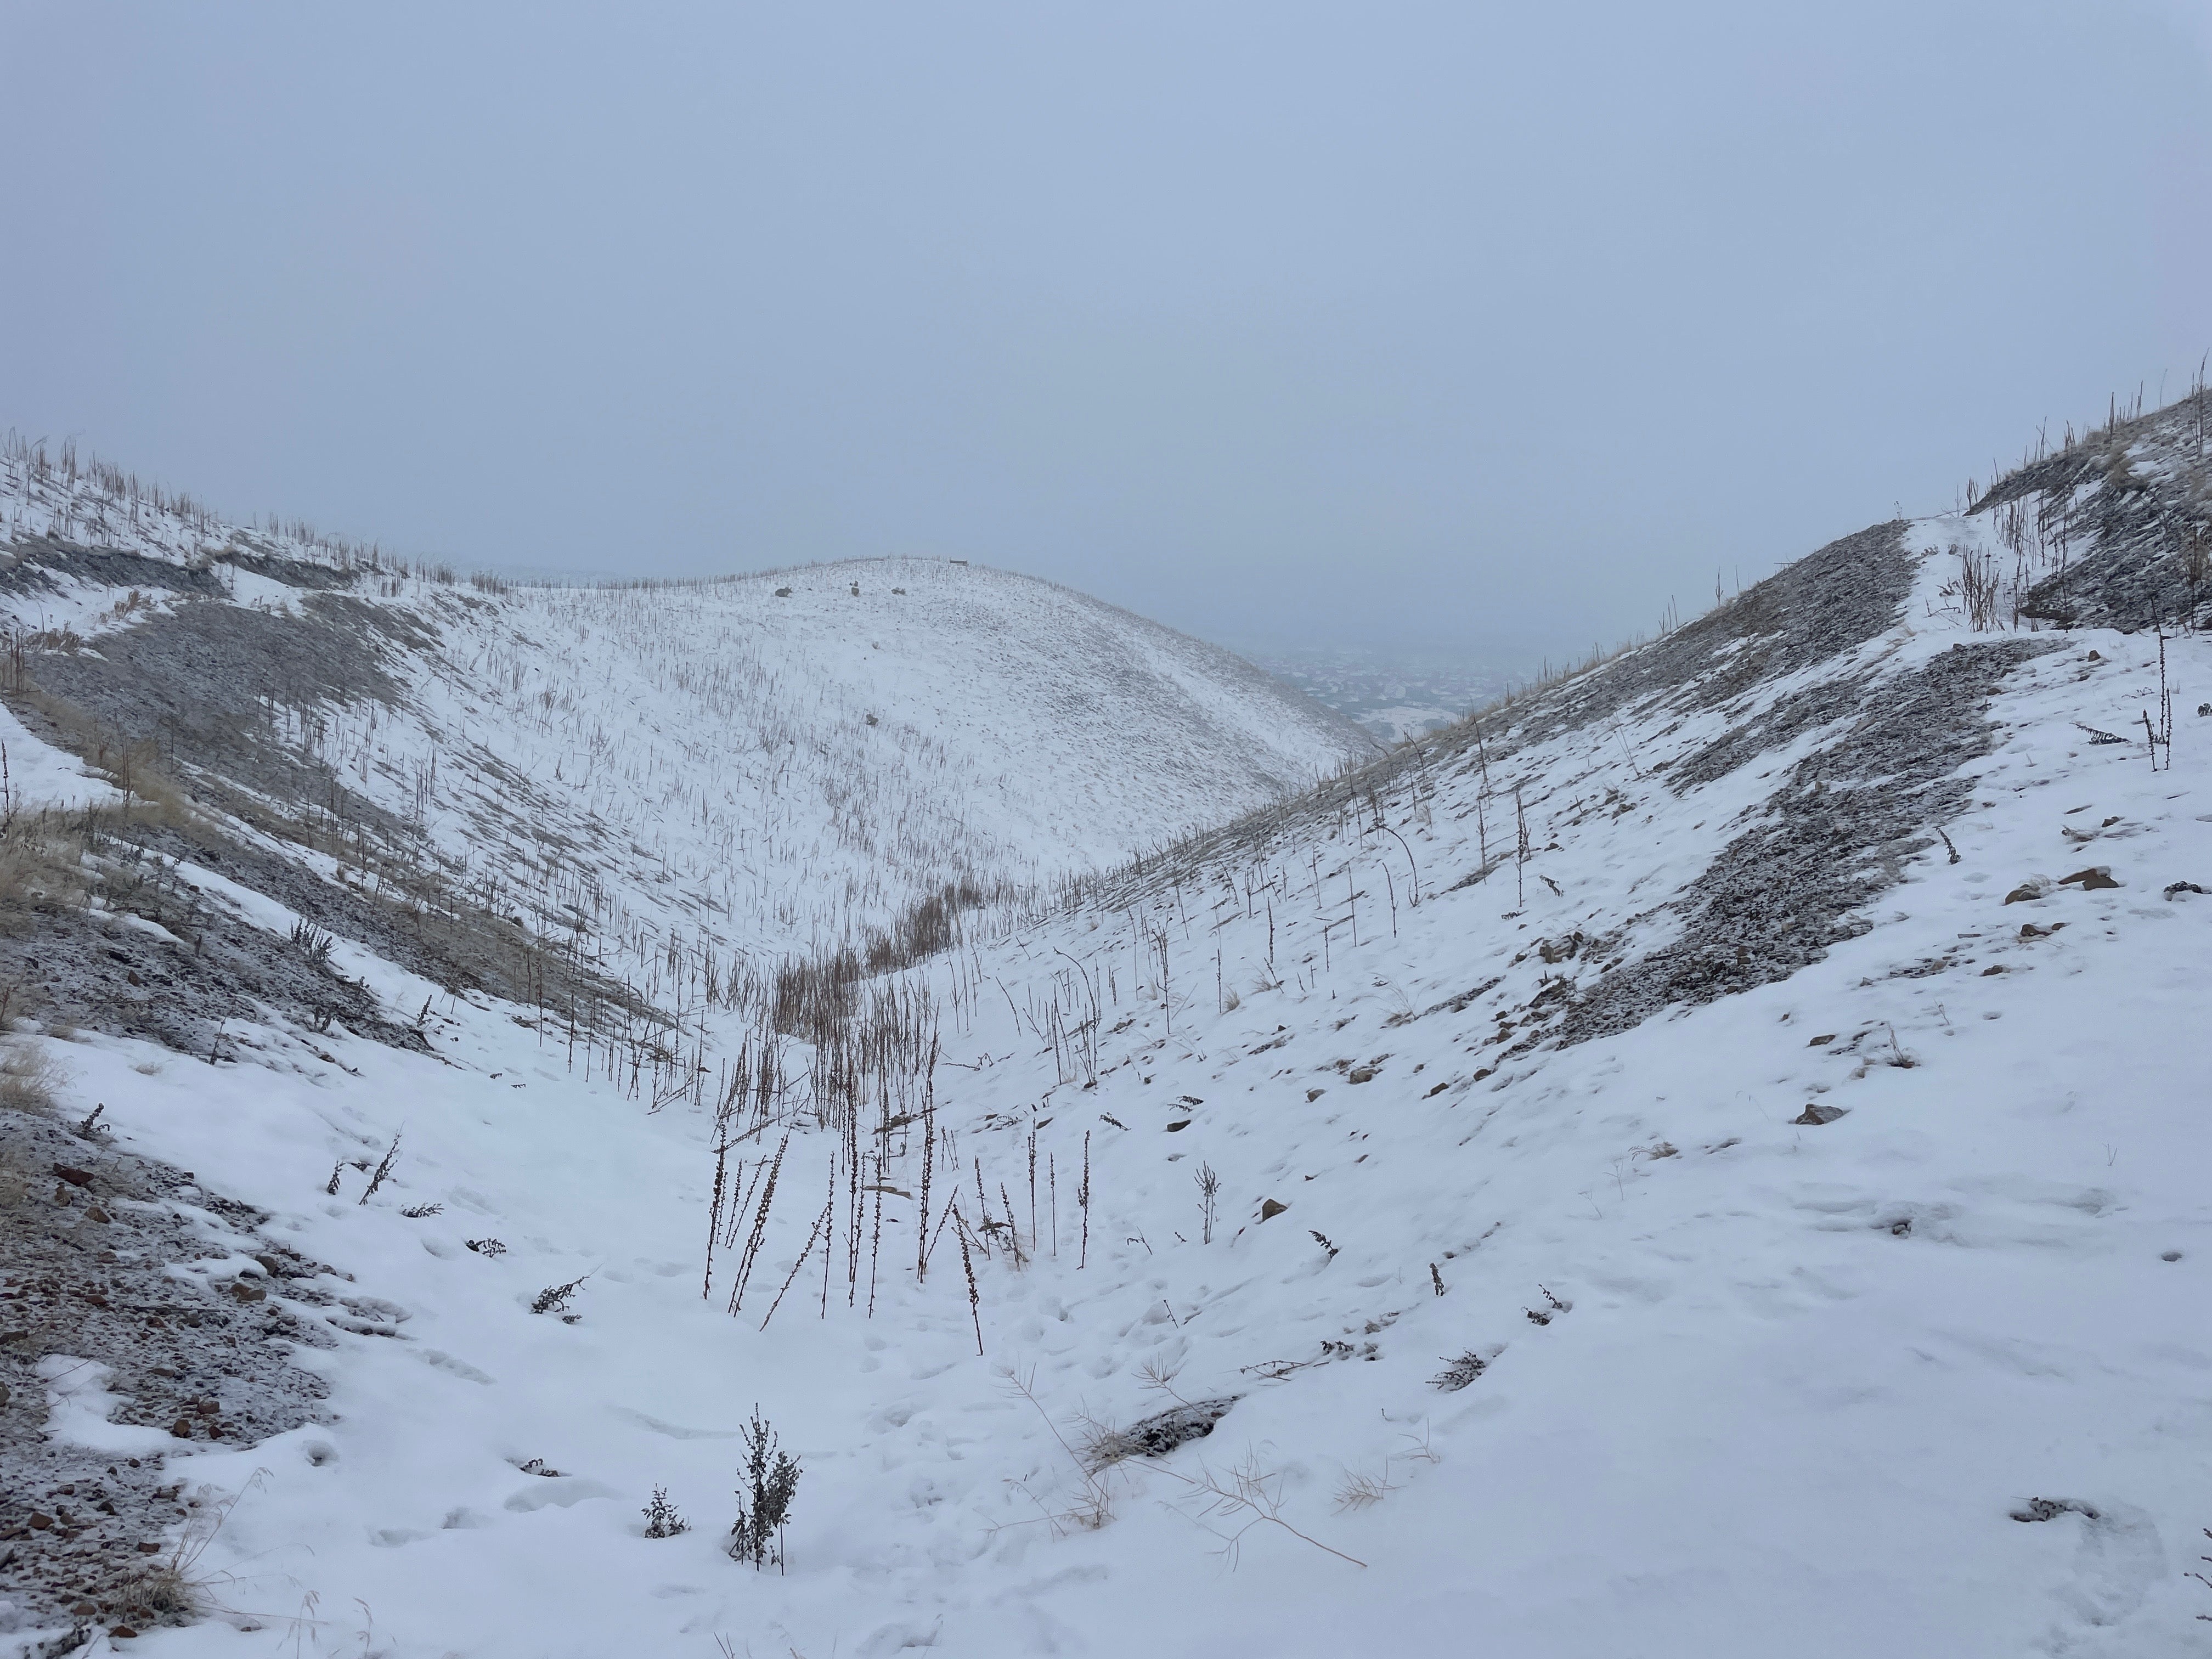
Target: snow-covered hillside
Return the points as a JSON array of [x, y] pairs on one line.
[[676, 781], [1704, 1159]]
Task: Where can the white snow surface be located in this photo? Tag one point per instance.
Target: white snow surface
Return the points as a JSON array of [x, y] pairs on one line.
[[1792, 1384], [784, 771]]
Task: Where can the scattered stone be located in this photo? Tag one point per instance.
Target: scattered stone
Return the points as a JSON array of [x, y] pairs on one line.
[[2093, 879], [1815, 1115], [2175, 888], [1360, 1074], [1272, 1208], [1824, 1038]]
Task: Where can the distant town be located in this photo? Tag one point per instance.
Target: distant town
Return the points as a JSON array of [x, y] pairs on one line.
[[1395, 695]]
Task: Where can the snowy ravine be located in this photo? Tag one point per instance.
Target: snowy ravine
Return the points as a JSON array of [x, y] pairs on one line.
[[1762, 1077]]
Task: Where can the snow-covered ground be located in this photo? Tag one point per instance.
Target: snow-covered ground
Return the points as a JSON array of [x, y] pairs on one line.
[[1775, 1312]]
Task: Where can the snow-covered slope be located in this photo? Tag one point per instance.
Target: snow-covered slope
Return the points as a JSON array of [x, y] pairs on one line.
[[1708, 1161], [732, 770]]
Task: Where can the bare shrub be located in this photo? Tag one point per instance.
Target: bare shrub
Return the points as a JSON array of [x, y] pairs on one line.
[[1251, 1495], [383, 1171], [1978, 588], [313, 943], [1460, 1372], [554, 1298], [764, 1501]]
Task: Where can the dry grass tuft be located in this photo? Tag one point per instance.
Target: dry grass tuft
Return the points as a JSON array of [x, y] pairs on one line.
[[1359, 1490], [28, 1079], [41, 866]]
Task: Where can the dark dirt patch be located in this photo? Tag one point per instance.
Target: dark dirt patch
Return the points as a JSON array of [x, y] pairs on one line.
[[401, 903], [291, 573], [2135, 508], [1773, 728], [203, 687], [83, 1276], [32, 568], [84, 967], [1806, 614], [1835, 835], [1160, 1434]]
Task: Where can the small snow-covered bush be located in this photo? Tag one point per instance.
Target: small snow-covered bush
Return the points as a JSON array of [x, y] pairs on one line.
[[554, 1298], [662, 1518], [1460, 1372], [771, 1477]]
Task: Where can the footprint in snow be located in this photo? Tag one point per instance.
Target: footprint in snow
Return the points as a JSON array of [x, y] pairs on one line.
[[2118, 1559]]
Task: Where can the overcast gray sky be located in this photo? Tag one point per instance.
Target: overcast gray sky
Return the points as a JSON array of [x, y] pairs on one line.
[[1376, 323]]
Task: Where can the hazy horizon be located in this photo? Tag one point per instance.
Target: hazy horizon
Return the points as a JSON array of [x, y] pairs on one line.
[[1461, 329]]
